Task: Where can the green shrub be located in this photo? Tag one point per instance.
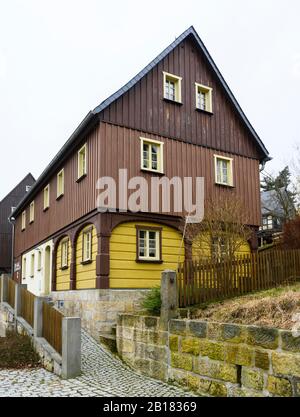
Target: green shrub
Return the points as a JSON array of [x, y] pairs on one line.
[[152, 301]]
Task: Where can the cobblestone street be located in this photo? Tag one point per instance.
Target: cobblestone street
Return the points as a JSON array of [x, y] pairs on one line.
[[103, 375]]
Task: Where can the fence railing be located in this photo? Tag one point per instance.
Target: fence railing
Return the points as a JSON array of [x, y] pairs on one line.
[[11, 289], [201, 281], [52, 326], [27, 306]]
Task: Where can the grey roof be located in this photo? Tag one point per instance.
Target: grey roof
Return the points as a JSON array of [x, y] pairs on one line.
[[93, 115], [270, 203]]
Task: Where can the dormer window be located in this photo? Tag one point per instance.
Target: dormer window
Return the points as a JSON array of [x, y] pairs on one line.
[[172, 87], [203, 98]]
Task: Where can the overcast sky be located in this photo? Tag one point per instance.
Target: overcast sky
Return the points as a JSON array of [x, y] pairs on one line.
[[60, 59]]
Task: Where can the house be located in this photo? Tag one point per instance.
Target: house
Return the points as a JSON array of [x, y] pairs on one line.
[[7, 206], [176, 118], [273, 215]]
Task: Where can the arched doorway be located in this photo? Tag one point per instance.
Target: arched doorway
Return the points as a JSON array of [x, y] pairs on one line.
[[47, 277]]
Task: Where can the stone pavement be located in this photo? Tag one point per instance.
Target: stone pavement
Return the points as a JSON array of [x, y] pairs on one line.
[[103, 375]]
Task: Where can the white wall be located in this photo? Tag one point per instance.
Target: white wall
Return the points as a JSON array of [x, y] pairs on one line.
[[38, 283]]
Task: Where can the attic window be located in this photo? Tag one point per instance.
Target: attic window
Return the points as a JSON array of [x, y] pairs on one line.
[[172, 87], [203, 98], [27, 188]]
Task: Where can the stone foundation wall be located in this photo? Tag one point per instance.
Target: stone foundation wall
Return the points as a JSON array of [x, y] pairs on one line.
[[98, 309], [50, 359], [213, 359]]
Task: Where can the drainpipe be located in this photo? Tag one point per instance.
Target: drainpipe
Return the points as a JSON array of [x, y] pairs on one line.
[[12, 221]]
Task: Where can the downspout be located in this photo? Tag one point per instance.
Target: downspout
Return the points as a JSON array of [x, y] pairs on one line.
[[12, 222]]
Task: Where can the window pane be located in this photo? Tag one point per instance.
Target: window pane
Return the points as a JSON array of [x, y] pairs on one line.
[[145, 155], [154, 157]]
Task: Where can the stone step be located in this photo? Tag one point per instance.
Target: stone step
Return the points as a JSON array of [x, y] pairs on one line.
[[109, 340], [114, 330]]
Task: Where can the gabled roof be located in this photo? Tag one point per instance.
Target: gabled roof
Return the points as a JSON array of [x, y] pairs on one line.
[[24, 180], [192, 33], [92, 117]]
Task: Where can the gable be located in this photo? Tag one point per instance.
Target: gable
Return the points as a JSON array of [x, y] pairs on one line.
[[143, 108]]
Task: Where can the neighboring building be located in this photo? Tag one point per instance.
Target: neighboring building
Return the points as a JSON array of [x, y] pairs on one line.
[[177, 117], [273, 216], [7, 206]]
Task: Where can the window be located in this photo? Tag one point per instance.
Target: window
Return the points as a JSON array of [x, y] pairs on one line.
[[220, 249], [47, 197], [23, 220], [87, 245], [82, 168], [64, 253], [27, 188], [39, 263], [152, 155], [268, 223], [31, 212], [60, 184], [203, 98], [13, 209], [223, 171], [172, 87], [24, 268], [148, 244], [32, 266]]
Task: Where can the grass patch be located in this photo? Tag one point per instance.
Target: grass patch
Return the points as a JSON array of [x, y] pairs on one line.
[[16, 352], [272, 308]]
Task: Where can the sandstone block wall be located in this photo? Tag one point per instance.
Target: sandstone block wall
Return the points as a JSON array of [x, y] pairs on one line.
[[213, 359], [98, 309]]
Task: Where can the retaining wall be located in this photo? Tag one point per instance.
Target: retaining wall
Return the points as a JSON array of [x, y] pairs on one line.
[[213, 359], [50, 359], [98, 309]]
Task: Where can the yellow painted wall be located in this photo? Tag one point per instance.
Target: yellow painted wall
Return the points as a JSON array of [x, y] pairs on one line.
[[201, 249], [125, 272], [62, 276], [86, 274]]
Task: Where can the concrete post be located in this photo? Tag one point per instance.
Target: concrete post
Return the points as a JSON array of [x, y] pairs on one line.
[[18, 298], [38, 317], [169, 298], [4, 288], [71, 347]]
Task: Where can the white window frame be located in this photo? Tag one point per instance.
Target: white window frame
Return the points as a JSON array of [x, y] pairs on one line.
[[147, 257], [208, 97], [229, 183], [24, 267], [60, 186], [87, 245], [160, 155], [31, 212], [65, 253], [82, 162], [23, 220], [47, 197], [27, 188], [32, 259], [39, 262], [177, 82]]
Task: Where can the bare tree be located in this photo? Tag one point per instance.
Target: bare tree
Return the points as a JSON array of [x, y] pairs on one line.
[[223, 230]]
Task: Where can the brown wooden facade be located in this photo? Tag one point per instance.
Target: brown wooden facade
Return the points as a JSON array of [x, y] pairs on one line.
[[191, 139]]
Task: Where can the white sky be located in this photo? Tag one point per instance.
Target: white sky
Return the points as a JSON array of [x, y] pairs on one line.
[[60, 59]]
